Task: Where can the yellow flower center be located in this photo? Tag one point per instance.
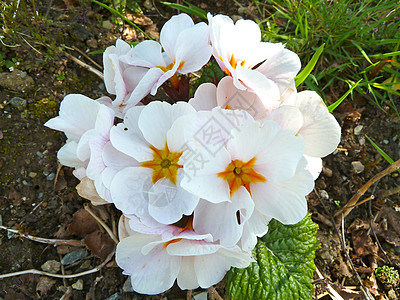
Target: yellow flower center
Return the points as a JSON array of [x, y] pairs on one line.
[[240, 173], [174, 79], [233, 62], [164, 164]]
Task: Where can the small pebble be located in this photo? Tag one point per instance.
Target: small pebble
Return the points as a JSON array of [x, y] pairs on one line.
[[24, 182], [46, 173], [361, 141], [107, 25], [51, 176], [40, 195], [10, 235], [327, 172], [127, 287], [324, 194], [102, 86], [18, 103], [78, 285], [236, 18], [115, 296], [1, 220], [385, 142], [357, 129], [51, 266], [73, 256], [358, 167], [32, 174], [241, 11], [92, 43], [201, 296], [39, 154]]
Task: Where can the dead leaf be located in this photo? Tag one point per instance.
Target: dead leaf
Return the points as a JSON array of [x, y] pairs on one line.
[[100, 244], [139, 19], [87, 190], [15, 197], [44, 286], [387, 225], [82, 224]]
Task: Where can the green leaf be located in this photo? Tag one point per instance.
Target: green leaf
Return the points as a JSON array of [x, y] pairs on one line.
[[190, 9], [332, 107], [381, 152], [284, 265], [310, 66]]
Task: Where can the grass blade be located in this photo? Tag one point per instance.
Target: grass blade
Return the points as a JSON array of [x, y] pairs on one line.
[[381, 152], [190, 9], [117, 13], [337, 103], [299, 79]]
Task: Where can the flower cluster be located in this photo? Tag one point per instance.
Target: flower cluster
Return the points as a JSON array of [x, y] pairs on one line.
[[197, 181]]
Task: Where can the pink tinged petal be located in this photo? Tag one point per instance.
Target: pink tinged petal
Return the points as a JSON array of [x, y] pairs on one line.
[[228, 96], [281, 68], [314, 165], [79, 172], [187, 279], [132, 77], [96, 163], [193, 48], [153, 228], [192, 248], [284, 201], [171, 30], [145, 54], [182, 113], [256, 226], [146, 85], [320, 130], [78, 114], [266, 89], [211, 269], [201, 169], [151, 274], [250, 139], [205, 97], [124, 230], [288, 117], [129, 191], [107, 176], [67, 156], [168, 202], [279, 159], [105, 101], [83, 149], [221, 220], [104, 121]]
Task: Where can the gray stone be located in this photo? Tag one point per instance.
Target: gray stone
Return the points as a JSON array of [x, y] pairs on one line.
[[18, 103], [357, 129], [51, 176], [73, 256], [51, 266], [358, 167], [79, 33], [107, 25], [115, 296], [14, 81], [127, 287], [92, 43], [78, 285], [201, 296], [324, 194]]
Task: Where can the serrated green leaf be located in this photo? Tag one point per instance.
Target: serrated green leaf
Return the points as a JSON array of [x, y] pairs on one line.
[[284, 265]]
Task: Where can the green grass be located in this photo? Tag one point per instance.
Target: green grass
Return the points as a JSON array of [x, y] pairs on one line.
[[362, 40]]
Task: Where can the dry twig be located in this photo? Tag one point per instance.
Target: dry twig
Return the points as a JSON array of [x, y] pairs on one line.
[[331, 291], [353, 201], [55, 242], [100, 221], [84, 65]]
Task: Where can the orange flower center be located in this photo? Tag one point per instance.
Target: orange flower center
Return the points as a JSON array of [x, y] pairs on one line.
[[186, 223], [174, 79], [164, 164], [240, 174], [233, 62]]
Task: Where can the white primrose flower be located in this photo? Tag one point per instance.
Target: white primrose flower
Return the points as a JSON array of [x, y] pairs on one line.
[[226, 95], [254, 173], [306, 114], [152, 190], [78, 118], [252, 64], [155, 258], [187, 48]]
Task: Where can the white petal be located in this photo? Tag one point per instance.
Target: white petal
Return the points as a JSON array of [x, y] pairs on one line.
[[256, 226], [314, 165], [151, 274], [129, 191], [187, 279], [171, 30], [288, 117], [192, 248], [211, 269], [115, 159], [78, 114], [145, 54], [193, 48], [168, 202], [278, 161], [259, 84], [320, 130], [67, 155], [284, 201], [205, 97]]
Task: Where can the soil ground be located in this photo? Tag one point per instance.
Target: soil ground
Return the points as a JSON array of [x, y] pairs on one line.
[[39, 200]]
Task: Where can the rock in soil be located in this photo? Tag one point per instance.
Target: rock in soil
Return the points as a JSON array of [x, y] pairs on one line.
[[16, 81]]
